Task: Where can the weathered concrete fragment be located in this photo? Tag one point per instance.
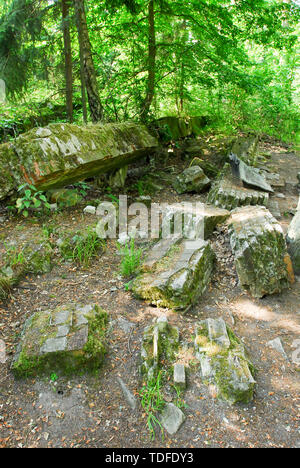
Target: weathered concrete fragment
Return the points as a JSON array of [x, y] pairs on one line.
[[224, 362], [191, 179], [228, 195], [192, 220], [176, 273], [8, 161], [260, 251], [293, 240], [249, 175], [160, 344], [61, 154], [209, 169], [172, 418], [68, 339], [34, 258], [179, 376]]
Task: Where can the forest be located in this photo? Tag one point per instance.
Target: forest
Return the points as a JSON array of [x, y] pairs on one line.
[[149, 226], [233, 61]]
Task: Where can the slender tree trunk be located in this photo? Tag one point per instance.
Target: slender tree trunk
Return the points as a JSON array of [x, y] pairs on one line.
[[90, 80], [81, 59], [151, 63], [68, 59]]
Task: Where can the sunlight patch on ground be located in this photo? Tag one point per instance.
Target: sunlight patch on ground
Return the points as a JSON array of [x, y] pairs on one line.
[[246, 308]]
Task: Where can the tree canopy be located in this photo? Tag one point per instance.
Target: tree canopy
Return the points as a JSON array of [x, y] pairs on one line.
[[234, 60]]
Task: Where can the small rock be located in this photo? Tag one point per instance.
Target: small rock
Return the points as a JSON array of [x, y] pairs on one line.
[[129, 397], [179, 376], [90, 210], [172, 418], [277, 345]]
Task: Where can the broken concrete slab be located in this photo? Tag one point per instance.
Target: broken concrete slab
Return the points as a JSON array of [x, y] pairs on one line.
[[293, 240], [224, 361], [68, 339], [274, 208], [129, 397], [226, 194], [275, 180], [260, 251], [160, 344], [249, 175], [175, 274], [192, 220], [179, 376], [61, 154], [191, 179], [172, 418]]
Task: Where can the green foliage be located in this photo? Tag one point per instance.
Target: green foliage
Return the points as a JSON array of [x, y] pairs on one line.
[[31, 201], [14, 256], [131, 258], [237, 62], [152, 402], [81, 247], [82, 188]]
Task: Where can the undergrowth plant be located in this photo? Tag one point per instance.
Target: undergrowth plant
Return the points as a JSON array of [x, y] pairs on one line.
[[82, 248], [152, 402], [15, 256], [31, 200], [131, 258]]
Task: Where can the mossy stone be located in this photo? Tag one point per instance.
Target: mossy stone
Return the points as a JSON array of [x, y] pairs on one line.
[[69, 339]]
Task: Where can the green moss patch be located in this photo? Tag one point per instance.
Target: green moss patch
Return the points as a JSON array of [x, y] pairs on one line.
[[224, 361]]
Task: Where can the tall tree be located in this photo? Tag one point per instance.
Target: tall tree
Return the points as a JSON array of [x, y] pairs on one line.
[[151, 62], [65, 5], [90, 78]]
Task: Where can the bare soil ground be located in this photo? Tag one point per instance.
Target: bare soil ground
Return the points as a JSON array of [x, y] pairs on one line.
[[90, 411]]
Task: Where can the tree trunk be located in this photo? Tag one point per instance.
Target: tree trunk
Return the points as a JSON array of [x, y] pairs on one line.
[[90, 80], [68, 59], [151, 63], [81, 59]]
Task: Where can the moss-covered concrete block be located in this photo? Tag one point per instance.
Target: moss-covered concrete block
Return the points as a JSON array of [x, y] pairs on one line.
[[69, 339], [191, 179], [33, 258], [61, 154], [8, 160], [175, 274], [160, 345], [260, 251], [224, 362], [193, 220], [293, 240], [226, 193]]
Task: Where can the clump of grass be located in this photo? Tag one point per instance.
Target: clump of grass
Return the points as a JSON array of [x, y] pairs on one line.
[[14, 256], [82, 248], [131, 258], [6, 284], [152, 402]]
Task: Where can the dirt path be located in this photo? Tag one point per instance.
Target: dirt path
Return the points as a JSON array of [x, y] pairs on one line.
[[89, 411]]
